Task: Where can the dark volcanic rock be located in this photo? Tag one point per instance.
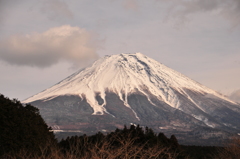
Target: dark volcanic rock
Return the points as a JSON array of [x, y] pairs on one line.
[[128, 89]]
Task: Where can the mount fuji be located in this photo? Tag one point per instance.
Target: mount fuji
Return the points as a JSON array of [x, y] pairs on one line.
[[128, 89]]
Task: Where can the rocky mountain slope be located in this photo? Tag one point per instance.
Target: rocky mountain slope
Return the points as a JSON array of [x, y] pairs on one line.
[[133, 88]]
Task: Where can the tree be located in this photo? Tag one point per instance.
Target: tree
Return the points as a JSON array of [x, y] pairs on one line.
[[22, 127], [174, 141], [232, 151]]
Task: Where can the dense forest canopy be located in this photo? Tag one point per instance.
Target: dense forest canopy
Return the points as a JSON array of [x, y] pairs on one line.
[[21, 127]]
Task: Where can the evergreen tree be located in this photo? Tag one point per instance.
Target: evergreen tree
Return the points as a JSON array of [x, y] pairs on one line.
[[174, 141], [22, 127]]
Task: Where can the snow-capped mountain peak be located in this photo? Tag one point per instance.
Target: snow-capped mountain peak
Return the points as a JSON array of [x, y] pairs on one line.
[[124, 74], [132, 88]]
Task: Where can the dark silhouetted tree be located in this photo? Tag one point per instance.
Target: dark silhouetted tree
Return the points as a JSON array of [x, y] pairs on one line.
[[22, 127]]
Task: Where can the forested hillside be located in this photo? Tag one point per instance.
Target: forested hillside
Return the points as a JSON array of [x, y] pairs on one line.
[[25, 135], [22, 127]]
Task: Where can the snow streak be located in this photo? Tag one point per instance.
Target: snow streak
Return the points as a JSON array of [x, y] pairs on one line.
[[125, 74]]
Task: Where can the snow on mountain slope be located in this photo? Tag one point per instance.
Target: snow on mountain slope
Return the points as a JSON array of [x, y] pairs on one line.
[[124, 74]]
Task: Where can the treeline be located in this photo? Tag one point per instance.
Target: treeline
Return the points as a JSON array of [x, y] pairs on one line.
[[132, 142], [25, 135]]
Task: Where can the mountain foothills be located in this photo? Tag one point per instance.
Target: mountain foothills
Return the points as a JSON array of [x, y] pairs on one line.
[[128, 89]]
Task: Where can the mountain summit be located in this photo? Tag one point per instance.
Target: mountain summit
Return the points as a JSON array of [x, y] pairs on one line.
[[133, 88]]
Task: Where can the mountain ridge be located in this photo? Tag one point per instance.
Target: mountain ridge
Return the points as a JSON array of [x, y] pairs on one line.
[[125, 86], [133, 88]]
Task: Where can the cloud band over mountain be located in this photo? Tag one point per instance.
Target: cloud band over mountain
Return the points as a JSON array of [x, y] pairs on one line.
[[72, 44], [235, 96]]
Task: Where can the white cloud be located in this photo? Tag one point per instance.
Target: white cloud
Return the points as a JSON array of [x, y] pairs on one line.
[[130, 4], [72, 44], [56, 9], [235, 96], [182, 9]]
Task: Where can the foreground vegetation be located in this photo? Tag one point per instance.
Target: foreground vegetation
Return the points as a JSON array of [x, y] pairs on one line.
[[21, 127], [25, 135]]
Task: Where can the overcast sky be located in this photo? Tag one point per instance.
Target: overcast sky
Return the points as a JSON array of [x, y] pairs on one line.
[[44, 41]]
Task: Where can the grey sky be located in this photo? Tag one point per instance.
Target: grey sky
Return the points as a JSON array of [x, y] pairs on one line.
[[199, 38]]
